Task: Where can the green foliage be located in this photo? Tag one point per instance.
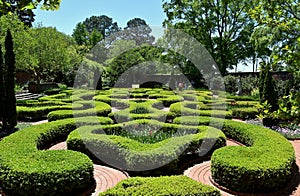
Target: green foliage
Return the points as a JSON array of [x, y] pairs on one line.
[[133, 155], [168, 185], [8, 113], [244, 113], [267, 87], [24, 8], [267, 164], [139, 31], [230, 84], [100, 109], [181, 109], [222, 27], [278, 32], [247, 84], [289, 110], [25, 169]]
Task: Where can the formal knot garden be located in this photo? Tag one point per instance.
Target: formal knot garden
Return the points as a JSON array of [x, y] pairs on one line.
[[151, 135]]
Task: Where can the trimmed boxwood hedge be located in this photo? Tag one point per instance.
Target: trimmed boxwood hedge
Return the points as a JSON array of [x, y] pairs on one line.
[[132, 155], [179, 109], [118, 103], [101, 109], [170, 100], [140, 109], [267, 164], [26, 170], [24, 113], [245, 113], [167, 185]]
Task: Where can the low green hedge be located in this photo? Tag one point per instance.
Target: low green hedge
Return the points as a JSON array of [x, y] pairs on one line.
[[25, 113], [179, 109], [132, 155], [36, 103], [170, 100], [114, 102], [244, 113], [199, 120], [25, 170], [167, 185], [54, 97], [268, 164], [126, 115], [242, 98], [101, 109]]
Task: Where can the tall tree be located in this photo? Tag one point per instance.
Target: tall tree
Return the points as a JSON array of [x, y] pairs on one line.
[[52, 54], [222, 26], [24, 8], [279, 31], [2, 88], [9, 117], [87, 32], [138, 30]]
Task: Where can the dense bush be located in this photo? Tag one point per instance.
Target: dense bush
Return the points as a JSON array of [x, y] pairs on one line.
[[168, 185], [242, 98], [35, 113], [101, 109], [170, 100], [26, 170], [140, 109], [244, 113], [179, 109], [133, 155], [267, 165]]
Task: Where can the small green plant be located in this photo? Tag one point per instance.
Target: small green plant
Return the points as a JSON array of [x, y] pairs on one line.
[[264, 110], [289, 109]]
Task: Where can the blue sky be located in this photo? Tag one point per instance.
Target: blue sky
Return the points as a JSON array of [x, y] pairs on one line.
[[73, 11]]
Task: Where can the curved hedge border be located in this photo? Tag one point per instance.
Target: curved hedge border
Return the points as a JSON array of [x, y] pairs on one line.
[[24, 169], [267, 164], [101, 109], [24, 112], [140, 109], [168, 185], [132, 155], [245, 113], [181, 109]]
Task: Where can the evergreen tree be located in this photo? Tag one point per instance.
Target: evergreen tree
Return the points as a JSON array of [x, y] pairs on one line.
[[10, 114], [1, 86], [268, 88]]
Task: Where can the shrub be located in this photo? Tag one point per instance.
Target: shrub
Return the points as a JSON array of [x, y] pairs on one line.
[[245, 113], [242, 98], [168, 185], [135, 156], [33, 113], [26, 170], [267, 165], [101, 109], [179, 109], [170, 100]]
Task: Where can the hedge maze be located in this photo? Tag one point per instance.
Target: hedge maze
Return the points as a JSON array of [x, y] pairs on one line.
[[146, 132]]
